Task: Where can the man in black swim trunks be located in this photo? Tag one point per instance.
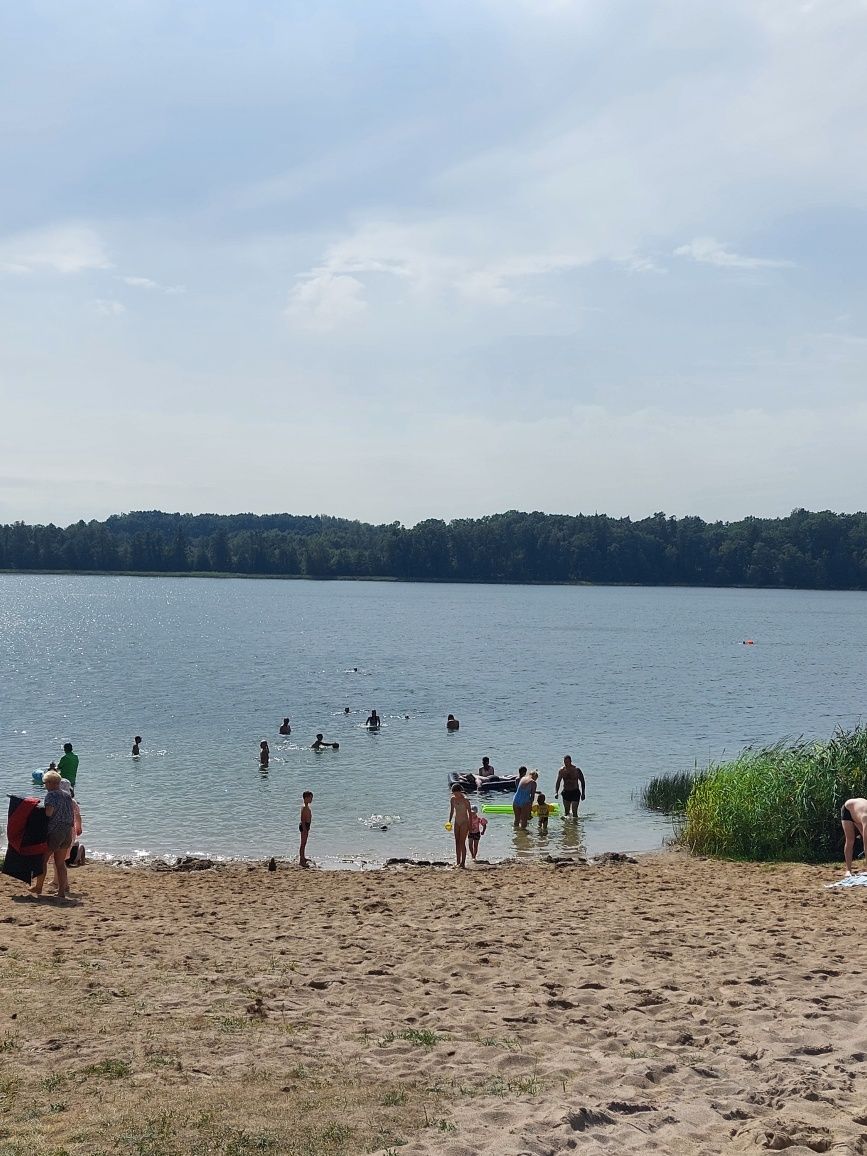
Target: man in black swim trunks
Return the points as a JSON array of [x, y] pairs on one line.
[[853, 816], [574, 787]]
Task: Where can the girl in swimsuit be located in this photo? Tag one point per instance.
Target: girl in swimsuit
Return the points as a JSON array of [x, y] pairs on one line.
[[304, 826], [459, 814]]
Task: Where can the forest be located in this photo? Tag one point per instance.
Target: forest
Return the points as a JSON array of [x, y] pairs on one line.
[[820, 550]]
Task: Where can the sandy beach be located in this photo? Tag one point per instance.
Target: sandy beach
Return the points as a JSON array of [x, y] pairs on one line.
[[669, 1005]]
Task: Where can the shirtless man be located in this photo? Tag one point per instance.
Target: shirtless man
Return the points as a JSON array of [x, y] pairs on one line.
[[574, 788], [486, 771], [853, 816], [459, 816]]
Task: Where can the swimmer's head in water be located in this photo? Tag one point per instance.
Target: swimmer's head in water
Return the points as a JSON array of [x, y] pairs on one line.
[[346, 710], [319, 737]]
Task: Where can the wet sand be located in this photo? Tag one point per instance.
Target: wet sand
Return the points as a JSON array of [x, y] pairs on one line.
[[671, 1005]]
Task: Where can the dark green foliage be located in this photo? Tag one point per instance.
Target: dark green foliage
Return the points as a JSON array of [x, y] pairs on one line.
[[669, 793], [810, 550], [779, 802]]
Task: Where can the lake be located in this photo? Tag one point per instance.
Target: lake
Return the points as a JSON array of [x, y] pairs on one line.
[[630, 681]]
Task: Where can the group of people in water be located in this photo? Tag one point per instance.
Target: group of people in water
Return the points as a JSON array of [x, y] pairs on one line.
[[469, 826], [373, 722]]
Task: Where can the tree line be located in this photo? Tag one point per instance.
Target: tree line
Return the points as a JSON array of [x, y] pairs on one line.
[[820, 550]]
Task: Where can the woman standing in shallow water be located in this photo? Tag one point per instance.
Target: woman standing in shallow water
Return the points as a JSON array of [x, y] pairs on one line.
[[522, 803]]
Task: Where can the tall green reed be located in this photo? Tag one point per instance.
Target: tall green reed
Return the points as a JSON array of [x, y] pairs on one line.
[[778, 802], [669, 793]]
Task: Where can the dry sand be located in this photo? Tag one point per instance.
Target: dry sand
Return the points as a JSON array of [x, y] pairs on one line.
[[673, 1005]]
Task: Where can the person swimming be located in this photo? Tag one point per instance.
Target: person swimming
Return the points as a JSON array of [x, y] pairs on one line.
[[452, 723], [320, 744], [285, 728]]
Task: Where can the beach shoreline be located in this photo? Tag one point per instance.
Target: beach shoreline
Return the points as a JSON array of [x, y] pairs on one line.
[[668, 1002]]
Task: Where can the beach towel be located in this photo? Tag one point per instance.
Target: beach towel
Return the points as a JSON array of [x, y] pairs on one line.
[[27, 832], [859, 880]]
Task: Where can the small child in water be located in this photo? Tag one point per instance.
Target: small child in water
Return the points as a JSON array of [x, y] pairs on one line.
[[543, 810], [304, 826], [478, 826]]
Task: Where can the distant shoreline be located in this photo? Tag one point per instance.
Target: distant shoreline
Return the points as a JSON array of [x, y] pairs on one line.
[[223, 574]]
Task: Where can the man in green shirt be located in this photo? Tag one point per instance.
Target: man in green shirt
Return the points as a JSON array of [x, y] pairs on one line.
[[68, 764]]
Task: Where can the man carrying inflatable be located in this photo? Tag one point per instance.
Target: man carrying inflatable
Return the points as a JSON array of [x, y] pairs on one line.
[[574, 787]]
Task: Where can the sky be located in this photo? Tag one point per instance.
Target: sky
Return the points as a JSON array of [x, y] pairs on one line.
[[432, 258]]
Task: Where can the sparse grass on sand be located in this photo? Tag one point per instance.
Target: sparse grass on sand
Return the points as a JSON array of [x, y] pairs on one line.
[[670, 1003]]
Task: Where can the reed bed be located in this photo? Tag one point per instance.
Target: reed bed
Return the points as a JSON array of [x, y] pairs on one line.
[[780, 802], [668, 794]]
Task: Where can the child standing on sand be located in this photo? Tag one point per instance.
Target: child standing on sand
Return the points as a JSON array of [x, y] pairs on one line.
[[478, 826], [543, 810], [304, 826]]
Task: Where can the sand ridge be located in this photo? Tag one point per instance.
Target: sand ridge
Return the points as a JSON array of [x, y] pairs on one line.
[[672, 1005]]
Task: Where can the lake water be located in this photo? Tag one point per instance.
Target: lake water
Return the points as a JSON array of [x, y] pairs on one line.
[[630, 681]]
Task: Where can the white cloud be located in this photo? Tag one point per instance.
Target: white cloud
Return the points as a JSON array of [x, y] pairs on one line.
[[105, 307], [147, 283], [709, 251], [56, 248], [323, 300]]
